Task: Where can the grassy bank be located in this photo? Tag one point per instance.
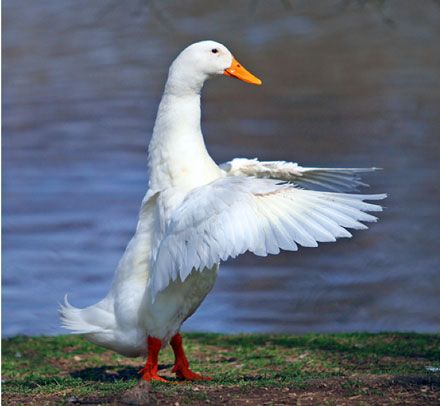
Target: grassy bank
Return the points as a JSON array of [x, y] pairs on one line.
[[253, 369]]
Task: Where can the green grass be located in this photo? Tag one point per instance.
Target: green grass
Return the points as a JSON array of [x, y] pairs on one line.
[[69, 366]]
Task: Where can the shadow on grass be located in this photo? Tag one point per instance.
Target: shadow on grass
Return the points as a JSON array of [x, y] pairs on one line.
[[106, 374], [111, 373]]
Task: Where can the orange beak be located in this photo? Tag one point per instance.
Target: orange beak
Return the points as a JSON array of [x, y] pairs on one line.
[[237, 71]]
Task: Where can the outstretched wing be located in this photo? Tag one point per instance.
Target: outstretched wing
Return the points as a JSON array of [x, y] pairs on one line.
[[236, 214], [330, 179]]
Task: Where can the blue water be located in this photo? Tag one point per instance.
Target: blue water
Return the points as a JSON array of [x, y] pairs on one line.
[[342, 86]]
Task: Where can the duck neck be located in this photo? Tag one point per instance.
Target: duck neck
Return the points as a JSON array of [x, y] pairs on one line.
[[177, 151]]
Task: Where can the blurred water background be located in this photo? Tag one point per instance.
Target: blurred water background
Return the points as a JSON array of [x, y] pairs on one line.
[[345, 83]]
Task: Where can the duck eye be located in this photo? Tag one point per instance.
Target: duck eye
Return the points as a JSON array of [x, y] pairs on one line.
[[214, 51]]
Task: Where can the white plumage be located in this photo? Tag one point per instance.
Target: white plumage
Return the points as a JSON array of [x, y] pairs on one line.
[[197, 214], [232, 215], [330, 179]]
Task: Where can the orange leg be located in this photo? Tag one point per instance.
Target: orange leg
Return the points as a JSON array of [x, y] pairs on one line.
[[181, 366], [149, 371]]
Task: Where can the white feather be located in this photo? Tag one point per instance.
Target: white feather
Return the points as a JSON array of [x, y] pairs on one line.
[[329, 179], [236, 214]]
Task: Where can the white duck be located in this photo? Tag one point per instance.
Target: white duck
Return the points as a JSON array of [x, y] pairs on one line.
[[197, 214]]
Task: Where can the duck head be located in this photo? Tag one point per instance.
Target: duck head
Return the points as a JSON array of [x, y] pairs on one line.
[[203, 60]]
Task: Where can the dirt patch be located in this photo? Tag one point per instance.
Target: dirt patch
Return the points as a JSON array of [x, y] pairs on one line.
[[138, 396], [359, 389]]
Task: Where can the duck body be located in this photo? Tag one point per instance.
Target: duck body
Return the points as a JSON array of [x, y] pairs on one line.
[[178, 162], [196, 214]]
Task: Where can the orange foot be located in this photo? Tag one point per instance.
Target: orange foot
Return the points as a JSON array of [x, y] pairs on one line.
[[149, 374], [149, 371], [183, 372], [181, 367]]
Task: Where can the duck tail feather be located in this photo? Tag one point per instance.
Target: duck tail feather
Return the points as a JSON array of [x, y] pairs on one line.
[[92, 319]]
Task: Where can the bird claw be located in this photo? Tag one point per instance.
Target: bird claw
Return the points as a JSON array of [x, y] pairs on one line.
[[184, 373], [149, 375]]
